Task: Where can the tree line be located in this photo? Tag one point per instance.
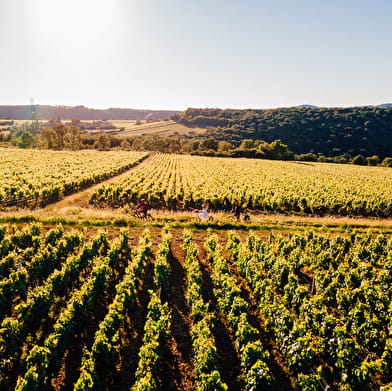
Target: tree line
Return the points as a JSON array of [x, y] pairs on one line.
[[331, 132], [65, 137]]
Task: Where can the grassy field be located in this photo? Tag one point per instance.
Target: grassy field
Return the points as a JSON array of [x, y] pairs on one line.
[[163, 128], [16, 123], [132, 128]]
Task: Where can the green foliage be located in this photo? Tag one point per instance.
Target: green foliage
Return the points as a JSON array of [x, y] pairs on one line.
[[203, 341], [155, 331], [211, 381], [324, 301], [26, 184], [103, 142], [339, 314], [360, 160], [61, 137], [308, 382], [185, 182], [99, 364], [24, 140], [326, 131], [306, 157], [373, 160], [387, 162], [162, 265], [256, 372]]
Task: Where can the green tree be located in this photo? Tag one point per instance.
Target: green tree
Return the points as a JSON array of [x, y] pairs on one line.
[[359, 160], [387, 162], [103, 142], [125, 145], [59, 132], [247, 144], [224, 146], [209, 143], [24, 140], [276, 150], [306, 157], [189, 145], [47, 139], [73, 138], [373, 160]]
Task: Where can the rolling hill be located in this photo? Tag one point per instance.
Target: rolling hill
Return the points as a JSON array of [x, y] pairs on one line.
[[328, 131], [80, 112]]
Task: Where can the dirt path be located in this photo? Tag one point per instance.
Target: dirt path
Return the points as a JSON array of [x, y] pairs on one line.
[[81, 198], [176, 369]]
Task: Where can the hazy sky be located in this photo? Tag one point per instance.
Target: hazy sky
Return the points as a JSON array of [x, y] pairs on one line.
[[174, 54]]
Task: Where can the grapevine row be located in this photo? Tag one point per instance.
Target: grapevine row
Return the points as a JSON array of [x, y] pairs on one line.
[[60, 173], [203, 341], [158, 321], [46, 258], [336, 312], [98, 364], [184, 181], [321, 302], [14, 331], [253, 357], [43, 360]]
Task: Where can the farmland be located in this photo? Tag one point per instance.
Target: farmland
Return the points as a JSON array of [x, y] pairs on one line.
[[193, 312], [163, 128], [25, 183], [287, 301], [184, 181]]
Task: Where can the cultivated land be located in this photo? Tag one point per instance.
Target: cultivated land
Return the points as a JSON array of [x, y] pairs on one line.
[[59, 173], [129, 128], [301, 312], [162, 128], [184, 181], [285, 301]]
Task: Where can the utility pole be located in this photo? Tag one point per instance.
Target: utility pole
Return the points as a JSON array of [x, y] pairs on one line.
[[34, 119]]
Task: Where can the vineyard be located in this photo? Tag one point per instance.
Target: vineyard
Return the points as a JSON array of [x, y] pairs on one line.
[[35, 178], [184, 181], [193, 310]]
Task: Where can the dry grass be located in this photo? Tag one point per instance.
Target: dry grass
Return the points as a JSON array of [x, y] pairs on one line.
[[164, 128], [88, 216]]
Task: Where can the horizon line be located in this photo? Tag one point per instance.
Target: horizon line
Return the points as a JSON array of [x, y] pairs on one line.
[[305, 105]]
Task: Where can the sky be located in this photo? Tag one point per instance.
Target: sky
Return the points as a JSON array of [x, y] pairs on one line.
[[174, 54]]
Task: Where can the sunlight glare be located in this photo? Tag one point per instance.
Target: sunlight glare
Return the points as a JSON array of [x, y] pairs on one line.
[[73, 23]]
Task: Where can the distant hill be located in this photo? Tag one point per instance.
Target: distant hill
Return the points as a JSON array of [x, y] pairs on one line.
[[307, 107], [328, 131], [81, 112]]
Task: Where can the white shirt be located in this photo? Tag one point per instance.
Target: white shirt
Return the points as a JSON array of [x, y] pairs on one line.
[[204, 214]]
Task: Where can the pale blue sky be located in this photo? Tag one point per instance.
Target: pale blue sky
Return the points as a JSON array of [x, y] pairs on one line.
[[174, 54]]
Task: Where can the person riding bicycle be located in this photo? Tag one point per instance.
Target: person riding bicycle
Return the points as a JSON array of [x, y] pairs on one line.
[[203, 213], [142, 207]]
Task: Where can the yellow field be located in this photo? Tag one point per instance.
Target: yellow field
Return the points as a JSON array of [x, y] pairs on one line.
[[184, 181], [164, 128], [45, 176]]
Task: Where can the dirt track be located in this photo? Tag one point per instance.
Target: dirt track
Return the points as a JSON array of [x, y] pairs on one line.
[[81, 198]]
